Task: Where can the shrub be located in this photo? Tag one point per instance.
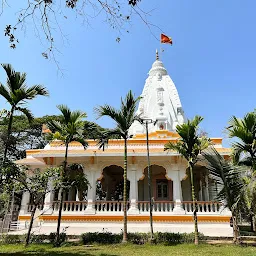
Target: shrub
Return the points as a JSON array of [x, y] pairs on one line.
[[138, 238], [38, 239], [52, 237], [176, 238], [12, 239], [101, 238]]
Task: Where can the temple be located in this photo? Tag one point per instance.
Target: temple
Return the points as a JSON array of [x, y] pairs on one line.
[[171, 187]]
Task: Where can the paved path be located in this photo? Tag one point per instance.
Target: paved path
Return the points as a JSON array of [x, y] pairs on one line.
[[208, 229]]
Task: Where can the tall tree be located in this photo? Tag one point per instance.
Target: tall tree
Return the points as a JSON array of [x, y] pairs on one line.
[[24, 135], [69, 128], [230, 178], [190, 145], [35, 182], [17, 93], [124, 118], [243, 130]]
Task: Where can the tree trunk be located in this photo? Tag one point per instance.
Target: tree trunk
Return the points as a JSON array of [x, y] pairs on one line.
[[194, 203], [8, 133], [6, 210], [4, 159], [61, 199], [124, 194], [235, 229], [252, 222], [30, 225]]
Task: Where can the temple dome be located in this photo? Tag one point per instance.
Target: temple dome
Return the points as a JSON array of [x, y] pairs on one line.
[[158, 68]]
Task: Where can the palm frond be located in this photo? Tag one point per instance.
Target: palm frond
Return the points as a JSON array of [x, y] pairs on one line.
[[189, 145], [55, 126], [228, 175], [5, 93], [66, 113], [12, 77], [81, 140], [36, 90], [77, 116], [105, 136], [26, 112]]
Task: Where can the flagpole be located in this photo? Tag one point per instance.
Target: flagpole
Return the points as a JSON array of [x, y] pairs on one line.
[[160, 48]]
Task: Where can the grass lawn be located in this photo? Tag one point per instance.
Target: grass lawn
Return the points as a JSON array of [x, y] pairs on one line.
[[130, 250]]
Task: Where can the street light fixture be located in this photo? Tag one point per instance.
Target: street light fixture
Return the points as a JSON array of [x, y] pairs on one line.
[[146, 122]]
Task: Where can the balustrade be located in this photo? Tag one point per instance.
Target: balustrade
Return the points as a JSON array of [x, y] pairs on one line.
[[70, 206], [110, 206], [143, 206], [158, 206], [203, 206], [30, 207]]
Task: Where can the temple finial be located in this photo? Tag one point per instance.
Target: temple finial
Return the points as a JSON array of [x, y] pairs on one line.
[[157, 55]]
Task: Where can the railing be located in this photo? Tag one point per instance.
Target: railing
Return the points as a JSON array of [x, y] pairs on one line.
[[16, 208], [202, 206], [143, 206], [31, 206], [70, 206], [158, 206], [110, 206]]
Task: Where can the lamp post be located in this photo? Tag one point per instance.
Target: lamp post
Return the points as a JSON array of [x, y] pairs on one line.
[[146, 122]]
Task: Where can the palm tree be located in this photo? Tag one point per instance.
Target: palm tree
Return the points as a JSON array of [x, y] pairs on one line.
[[244, 154], [17, 93], [124, 118], [68, 129], [190, 145], [244, 130], [230, 178]]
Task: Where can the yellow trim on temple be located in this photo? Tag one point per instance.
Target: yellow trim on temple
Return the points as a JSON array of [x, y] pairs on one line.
[[111, 218]]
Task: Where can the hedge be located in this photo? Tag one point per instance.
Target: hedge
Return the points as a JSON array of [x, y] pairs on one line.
[[106, 238], [139, 238]]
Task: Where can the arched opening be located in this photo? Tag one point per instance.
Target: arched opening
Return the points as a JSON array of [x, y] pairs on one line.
[[111, 185], [161, 187], [205, 187], [77, 184]]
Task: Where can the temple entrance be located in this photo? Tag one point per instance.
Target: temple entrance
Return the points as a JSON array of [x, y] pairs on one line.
[[161, 188], [111, 186]]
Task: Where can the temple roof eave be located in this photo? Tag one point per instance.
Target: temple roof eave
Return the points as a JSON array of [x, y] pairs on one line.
[[139, 152]]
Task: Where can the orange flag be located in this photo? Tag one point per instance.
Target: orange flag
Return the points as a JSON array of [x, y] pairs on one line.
[[166, 39]]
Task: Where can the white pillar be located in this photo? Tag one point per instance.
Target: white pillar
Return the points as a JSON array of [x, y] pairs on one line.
[[24, 203], [207, 198], [49, 197], [176, 176], [77, 195], [70, 194], [132, 176], [91, 193], [200, 189]]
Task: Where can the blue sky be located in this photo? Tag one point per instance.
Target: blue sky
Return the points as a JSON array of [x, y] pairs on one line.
[[212, 61]]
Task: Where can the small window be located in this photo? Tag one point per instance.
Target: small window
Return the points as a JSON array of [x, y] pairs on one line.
[[162, 189]]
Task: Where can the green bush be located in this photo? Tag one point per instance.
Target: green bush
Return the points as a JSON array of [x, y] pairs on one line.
[[12, 239], [175, 238], [139, 238], [38, 239], [101, 238], [52, 237]]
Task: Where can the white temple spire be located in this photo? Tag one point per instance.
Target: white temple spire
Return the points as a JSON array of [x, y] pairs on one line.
[[160, 101], [157, 55]]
